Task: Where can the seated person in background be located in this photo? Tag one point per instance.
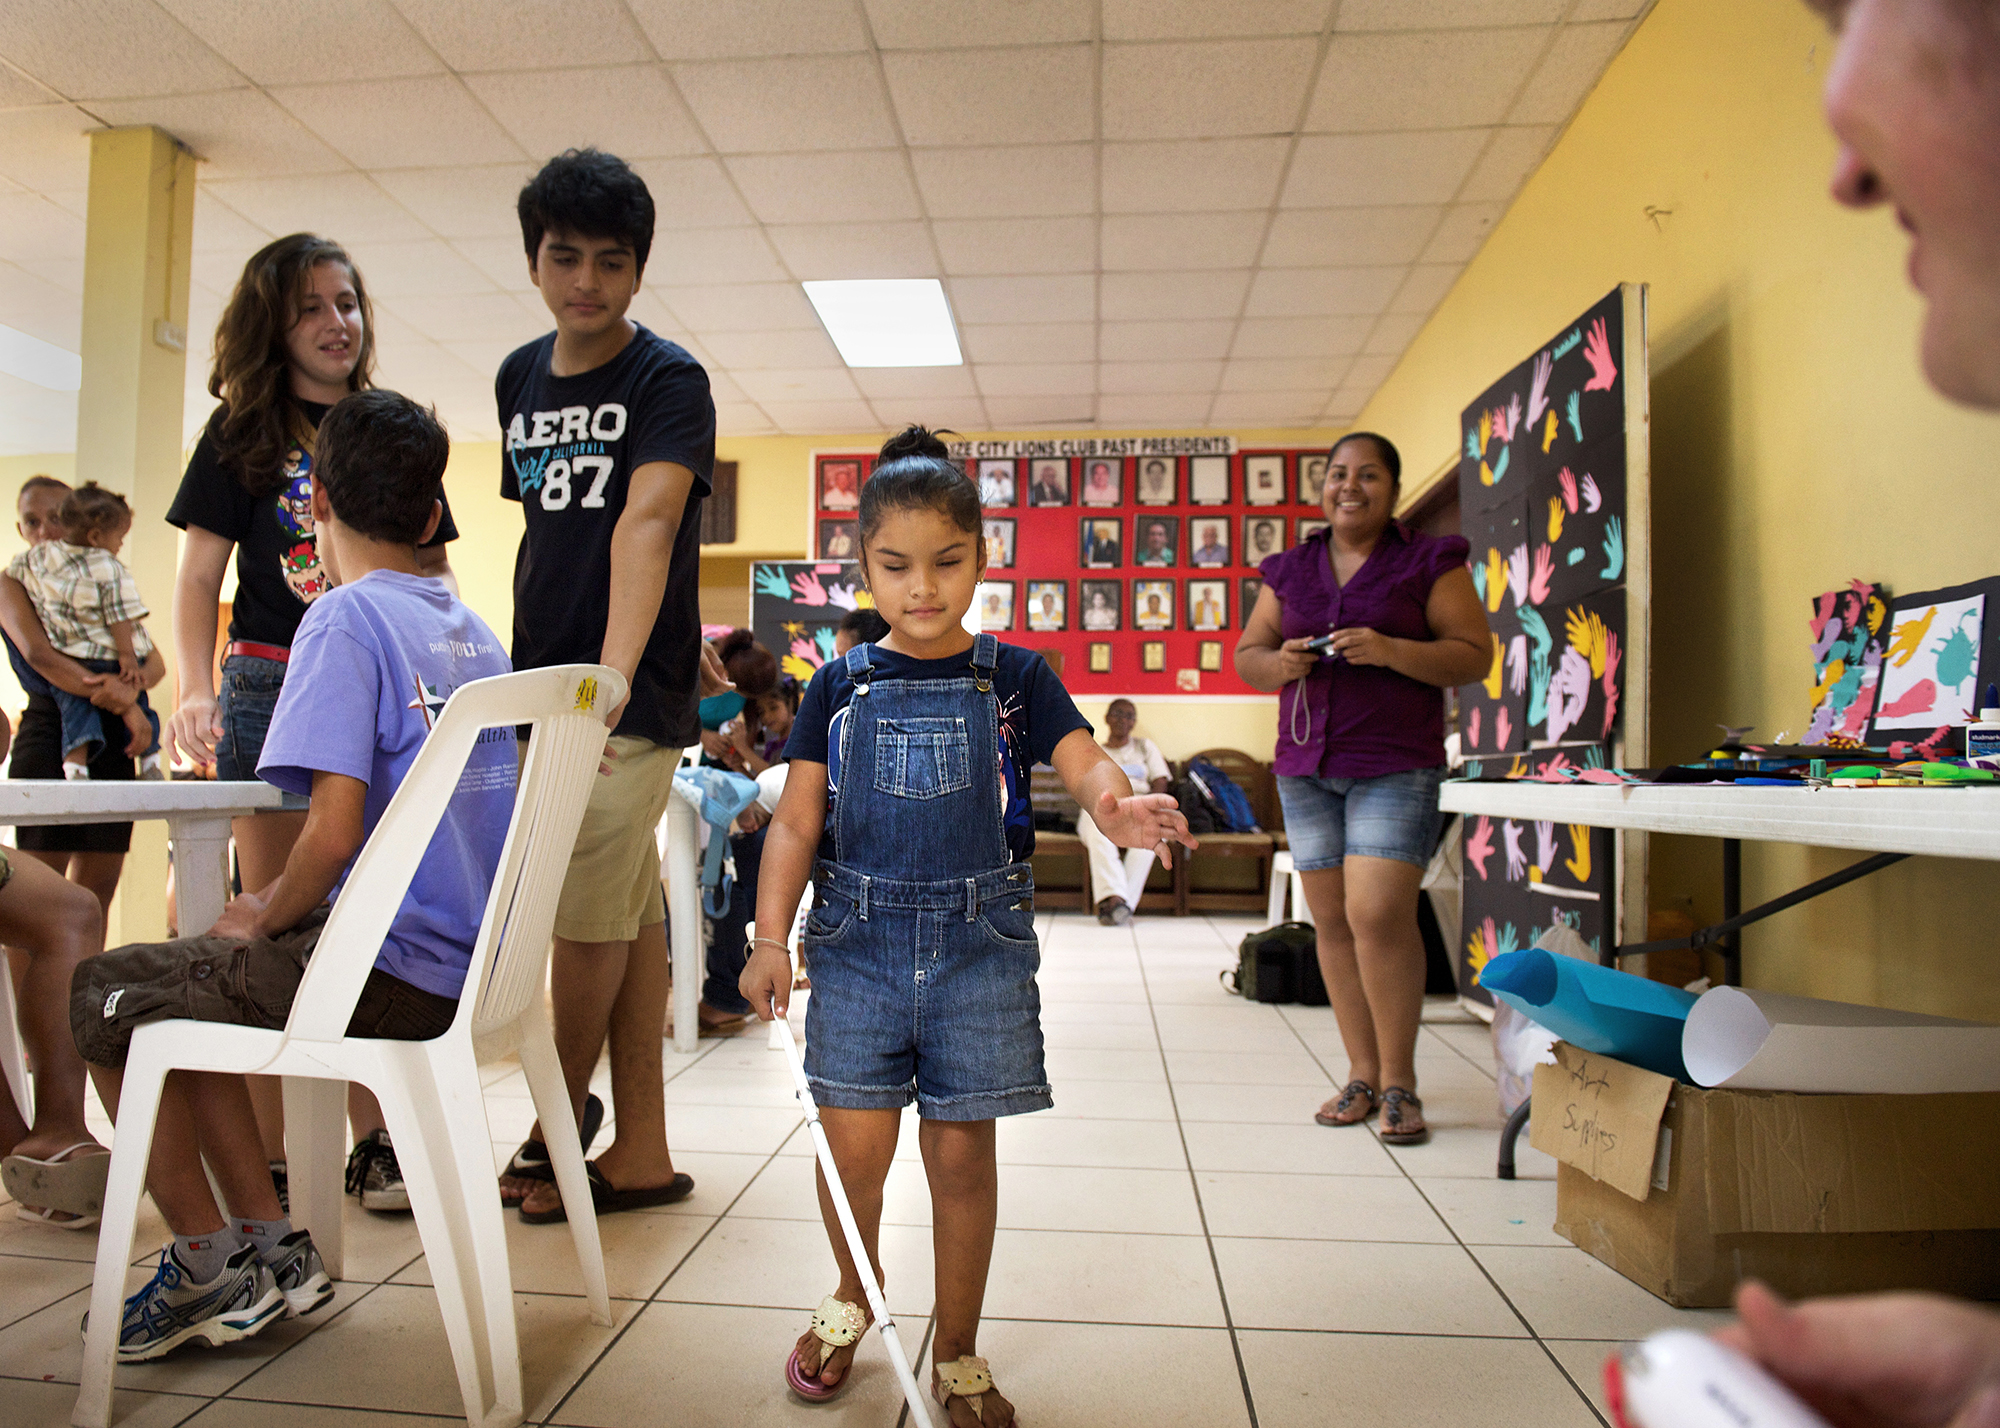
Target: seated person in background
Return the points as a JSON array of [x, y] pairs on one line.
[[757, 749], [859, 627], [1116, 882], [753, 671], [757, 735], [345, 731]]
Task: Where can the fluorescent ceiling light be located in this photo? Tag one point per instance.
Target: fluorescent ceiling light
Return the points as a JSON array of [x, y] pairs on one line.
[[43, 363], [888, 322]]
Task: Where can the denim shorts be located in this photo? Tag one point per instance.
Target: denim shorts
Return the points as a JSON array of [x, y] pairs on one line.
[[244, 706], [1389, 816], [925, 992]]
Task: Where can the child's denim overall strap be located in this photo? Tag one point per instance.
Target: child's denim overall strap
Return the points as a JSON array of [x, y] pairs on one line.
[[921, 788]]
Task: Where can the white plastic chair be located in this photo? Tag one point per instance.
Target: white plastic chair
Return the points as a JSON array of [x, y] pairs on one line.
[[1285, 877], [13, 1052], [429, 1090]]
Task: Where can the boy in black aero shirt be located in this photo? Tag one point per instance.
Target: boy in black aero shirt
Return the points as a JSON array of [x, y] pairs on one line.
[[609, 445]]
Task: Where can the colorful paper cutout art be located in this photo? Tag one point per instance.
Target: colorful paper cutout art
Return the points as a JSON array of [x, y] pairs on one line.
[[1850, 628], [1930, 663], [1573, 689], [796, 605]]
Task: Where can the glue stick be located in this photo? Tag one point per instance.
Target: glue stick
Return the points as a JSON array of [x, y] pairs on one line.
[[1982, 739]]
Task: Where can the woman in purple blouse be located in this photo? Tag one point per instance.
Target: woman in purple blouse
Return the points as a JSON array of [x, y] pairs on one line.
[[1361, 752]]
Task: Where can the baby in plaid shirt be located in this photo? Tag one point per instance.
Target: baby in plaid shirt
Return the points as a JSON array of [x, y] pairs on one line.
[[89, 604]]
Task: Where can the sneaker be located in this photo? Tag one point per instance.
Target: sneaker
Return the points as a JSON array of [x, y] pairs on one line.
[[281, 1181], [170, 1311], [149, 767], [77, 772], [301, 1277], [372, 1174]]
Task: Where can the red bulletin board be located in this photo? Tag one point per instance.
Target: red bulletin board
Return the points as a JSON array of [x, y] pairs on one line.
[[1052, 518]]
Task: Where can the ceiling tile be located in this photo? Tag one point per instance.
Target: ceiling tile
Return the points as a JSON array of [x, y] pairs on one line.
[[34, 419], [220, 228], [1161, 241], [1029, 413], [912, 383], [1369, 372], [1036, 379], [482, 354], [1446, 14], [1214, 292], [797, 384], [1437, 79], [344, 39], [715, 255], [1166, 341], [478, 37], [424, 122], [954, 414], [45, 148], [1017, 245], [1606, 10], [1280, 409], [429, 267], [741, 419], [826, 188], [1425, 288], [1213, 89], [1345, 406], [218, 269], [1322, 292], [1574, 63], [794, 347], [1285, 374], [1126, 377], [855, 250], [742, 29], [1189, 411], [503, 260], [64, 273], [483, 317], [1506, 164], [631, 111], [746, 307], [1348, 237], [785, 105], [238, 133], [345, 207], [1394, 331], [1204, 19], [1032, 180], [1029, 342], [1192, 176], [1043, 95], [1464, 228], [1349, 170], [469, 201], [17, 91], [1024, 299], [953, 24], [813, 418], [105, 49], [692, 193]]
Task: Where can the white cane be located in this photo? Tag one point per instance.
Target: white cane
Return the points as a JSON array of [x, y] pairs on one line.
[[919, 1414]]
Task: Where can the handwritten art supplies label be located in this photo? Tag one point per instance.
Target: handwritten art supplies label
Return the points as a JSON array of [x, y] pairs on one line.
[[1601, 1116]]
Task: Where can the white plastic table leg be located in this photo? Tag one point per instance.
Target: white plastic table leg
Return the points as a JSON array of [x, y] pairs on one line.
[[684, 920], [201, 872]]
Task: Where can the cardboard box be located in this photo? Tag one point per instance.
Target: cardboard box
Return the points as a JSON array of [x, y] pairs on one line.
[[1688, 1192]]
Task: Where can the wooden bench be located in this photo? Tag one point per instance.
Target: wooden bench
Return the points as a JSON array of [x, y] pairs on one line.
[[1062, 868], [1231, 872]]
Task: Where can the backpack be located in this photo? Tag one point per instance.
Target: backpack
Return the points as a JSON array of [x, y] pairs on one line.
[[723, 796], [1279, 964], [1196, 805], [1233, 813]]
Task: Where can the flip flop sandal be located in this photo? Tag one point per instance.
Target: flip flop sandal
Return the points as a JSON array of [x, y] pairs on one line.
[[1349, 1094], [47, 1216], [531, 1161], [67, 1181], [608, 1199], [968, 1378], [836, 1323], [1393, 1131]]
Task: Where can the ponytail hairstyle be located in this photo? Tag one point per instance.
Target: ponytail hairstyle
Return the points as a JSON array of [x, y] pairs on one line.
[[914, 472], [1385, 448], [254, 427], [751, 668]]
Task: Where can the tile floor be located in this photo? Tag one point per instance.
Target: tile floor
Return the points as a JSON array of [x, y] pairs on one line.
[[1178, 1243]]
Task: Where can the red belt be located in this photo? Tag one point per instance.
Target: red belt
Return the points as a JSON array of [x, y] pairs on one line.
[[257, 651]]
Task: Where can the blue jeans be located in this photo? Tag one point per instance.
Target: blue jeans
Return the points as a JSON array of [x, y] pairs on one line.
[[726, 952], [248, 697], [81, 728], [1389, 816]]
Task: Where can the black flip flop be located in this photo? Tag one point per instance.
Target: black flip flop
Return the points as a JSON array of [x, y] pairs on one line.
[[608, 1199], [531, 1161]]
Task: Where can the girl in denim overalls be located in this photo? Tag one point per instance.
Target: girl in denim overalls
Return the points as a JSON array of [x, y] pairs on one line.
[[907, 808]]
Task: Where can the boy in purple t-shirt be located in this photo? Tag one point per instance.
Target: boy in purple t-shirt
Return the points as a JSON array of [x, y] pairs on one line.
[[372, 664]]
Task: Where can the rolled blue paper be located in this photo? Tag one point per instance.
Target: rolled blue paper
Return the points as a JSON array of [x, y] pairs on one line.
[[1597, 1008]]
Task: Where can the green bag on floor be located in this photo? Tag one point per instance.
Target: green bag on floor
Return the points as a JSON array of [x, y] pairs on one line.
[[1278, 964]]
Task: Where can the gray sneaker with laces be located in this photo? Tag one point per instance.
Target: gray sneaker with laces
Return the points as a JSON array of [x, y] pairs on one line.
[[301, 1277], [374, 1176], [173, 1310]]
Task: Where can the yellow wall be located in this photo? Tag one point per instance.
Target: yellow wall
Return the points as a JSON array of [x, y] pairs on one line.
[[1795, 444]]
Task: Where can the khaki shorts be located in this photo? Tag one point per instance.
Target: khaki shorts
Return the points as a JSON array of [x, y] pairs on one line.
[[613, 885]]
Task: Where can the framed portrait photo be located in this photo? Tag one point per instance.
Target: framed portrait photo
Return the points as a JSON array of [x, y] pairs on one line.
[[1208, 604], [1102, 602], [1263, 536], [1211, 656], [839, 540], [997, 484], [1152, 604], [1099, 546], [1247, 590], [1208, 480], [999, 542], [1158, 482], [1156, 540], [1153, 656], [840, 483], [1100, 656], [1312, 479], [1264, 479], [1048, 482], [1208, 541], [1310, 526], [1048, 605], [996, 605], [1103, 481]]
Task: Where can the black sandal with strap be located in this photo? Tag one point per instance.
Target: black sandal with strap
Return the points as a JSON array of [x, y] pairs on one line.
[[1349, 1094], [1393, 1131]]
